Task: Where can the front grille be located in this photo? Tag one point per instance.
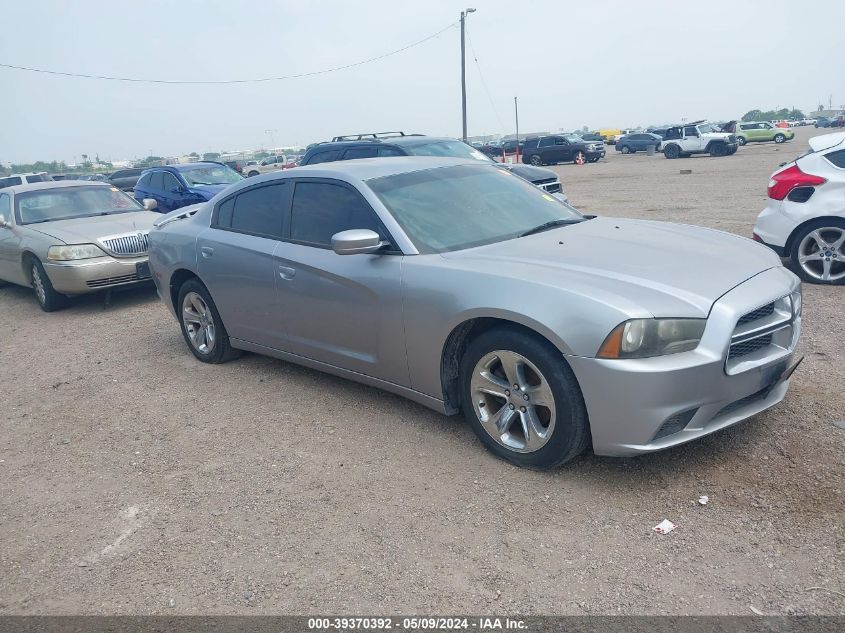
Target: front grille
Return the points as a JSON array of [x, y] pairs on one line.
[[759, 313], [131, 244], [750, 346], [113, 281], [761, 336], [732, 138], [674, 424]]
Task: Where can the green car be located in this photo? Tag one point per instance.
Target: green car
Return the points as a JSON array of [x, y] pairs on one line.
[[762, 131]]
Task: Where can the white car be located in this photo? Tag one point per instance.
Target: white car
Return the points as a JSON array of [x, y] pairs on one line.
[[24, 179], [804, 219], [271, 163]]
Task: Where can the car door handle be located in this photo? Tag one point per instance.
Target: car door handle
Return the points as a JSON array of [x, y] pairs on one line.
[[286, 272], [207, 251]]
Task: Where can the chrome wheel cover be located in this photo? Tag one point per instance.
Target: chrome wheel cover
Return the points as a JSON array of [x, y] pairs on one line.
[[198, 323], [38, 285], [821, 254], [513, 401]]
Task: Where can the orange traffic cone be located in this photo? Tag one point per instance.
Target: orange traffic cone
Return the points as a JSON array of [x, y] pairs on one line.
[[504, 156], [579, 158]]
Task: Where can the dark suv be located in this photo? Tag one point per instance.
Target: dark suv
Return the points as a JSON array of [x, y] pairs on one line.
[[126, 179], [561, 148], [400, 144]]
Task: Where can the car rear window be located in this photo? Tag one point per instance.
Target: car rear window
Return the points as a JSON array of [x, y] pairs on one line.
[[10, 182], [837, 158], [324, 157], [258, 211]]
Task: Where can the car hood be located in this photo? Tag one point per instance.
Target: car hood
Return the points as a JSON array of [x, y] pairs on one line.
[[208, 190], [87, 230], [534, 174], [643, 267]]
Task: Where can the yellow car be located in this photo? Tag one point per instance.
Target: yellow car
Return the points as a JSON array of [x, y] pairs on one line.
[[609, 134]]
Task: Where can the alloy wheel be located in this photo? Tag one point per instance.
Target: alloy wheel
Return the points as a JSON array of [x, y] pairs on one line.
[[198, 322], [38, 285], [821, 254], [513, 401]]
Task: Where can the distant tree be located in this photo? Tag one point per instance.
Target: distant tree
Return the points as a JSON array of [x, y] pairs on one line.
[[773, 115], [210, 156]]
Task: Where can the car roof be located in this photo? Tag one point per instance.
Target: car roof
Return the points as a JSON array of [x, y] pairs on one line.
[[57, 184], [363, 169], [399, 141]]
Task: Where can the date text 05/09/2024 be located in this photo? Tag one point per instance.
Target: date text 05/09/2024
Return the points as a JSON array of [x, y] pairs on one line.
[[423, 623]]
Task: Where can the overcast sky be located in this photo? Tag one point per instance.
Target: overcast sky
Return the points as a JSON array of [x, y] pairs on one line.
[[595, 63]]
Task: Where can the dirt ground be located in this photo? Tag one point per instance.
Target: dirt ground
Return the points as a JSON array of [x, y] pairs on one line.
[[135, 480]]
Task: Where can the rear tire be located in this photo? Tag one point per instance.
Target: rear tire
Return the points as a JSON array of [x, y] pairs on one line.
[[201, 324], [741, 140], [540, 423], [252, 173], [536, 160], [806, 246], [45, 294]]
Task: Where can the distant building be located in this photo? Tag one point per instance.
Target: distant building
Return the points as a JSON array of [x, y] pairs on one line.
[[830, 114]]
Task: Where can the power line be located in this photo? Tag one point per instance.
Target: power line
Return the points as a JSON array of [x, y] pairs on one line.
[[232, 81], [484, 83]]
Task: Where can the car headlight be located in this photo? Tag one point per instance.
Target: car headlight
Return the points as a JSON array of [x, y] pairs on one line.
[[591, 147], [644, 338], [74, 251], [797, 303]]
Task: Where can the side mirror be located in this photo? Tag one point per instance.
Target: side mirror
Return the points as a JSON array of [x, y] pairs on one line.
[[150, 204], [3, 223], [356, 241]]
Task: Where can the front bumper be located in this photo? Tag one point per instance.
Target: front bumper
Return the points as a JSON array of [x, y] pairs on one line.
[[89, 275], [597, 154], [633, 403]]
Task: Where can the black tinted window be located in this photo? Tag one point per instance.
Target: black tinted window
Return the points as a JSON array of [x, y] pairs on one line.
[[546, 142], [389, 151], [10, 182], [157, 181], [321, 209], [690, 130], [143, 181], [224, 213], [170, 182], [360, 152], [36, 178], [5, 206], [837, 158], [324, 157], [260, 210]]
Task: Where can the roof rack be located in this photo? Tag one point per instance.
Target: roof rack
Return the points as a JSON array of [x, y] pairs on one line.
[[368, 136]]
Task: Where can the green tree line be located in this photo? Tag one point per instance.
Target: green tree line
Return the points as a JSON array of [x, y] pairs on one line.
[[773, 115]]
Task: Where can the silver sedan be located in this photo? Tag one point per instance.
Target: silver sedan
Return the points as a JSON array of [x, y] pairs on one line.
[[70, 238], [465, 288]]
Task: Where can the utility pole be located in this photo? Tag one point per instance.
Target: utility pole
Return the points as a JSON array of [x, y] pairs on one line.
[[464, 71], [516, 114]]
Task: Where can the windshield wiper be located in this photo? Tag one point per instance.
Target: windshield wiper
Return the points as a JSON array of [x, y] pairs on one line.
[[550, 225]]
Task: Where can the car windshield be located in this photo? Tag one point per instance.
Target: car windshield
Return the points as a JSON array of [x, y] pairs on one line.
[[211, 175], [452, 208], [573, 138], [705, 128], [46, 205], [452, 149]]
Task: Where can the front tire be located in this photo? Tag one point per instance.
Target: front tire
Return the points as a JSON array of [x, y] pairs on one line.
[[818, 252], [202, 326], [671, 151], [45, 294], [779, 138], [718, 149], [522, 399]]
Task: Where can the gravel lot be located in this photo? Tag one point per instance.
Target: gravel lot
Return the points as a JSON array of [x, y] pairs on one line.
[[134, 479]]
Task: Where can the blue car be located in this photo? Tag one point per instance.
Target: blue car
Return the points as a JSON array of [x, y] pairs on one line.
[[176, 186]]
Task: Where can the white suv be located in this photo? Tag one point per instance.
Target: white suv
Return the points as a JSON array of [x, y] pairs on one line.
[[697, 138], [804, 219], [23, 179]]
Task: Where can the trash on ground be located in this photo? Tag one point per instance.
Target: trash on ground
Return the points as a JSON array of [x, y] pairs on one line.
[[756, 610], [703, 499], [664, 527]]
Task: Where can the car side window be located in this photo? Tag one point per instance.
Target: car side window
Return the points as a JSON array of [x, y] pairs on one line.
[[560, 141], [258, 211], [360, 152], [143, 182], [324, 157], [545, 142], [170, 182], [5, 206], [837, 158], [321, 209], [389, 151], [156, 181]]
